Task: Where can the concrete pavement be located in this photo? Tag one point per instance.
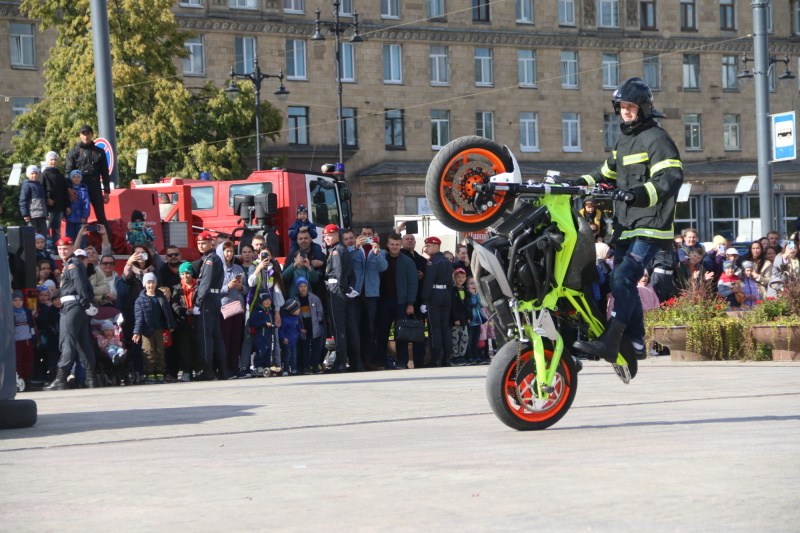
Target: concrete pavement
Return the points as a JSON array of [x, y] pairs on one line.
[[684, 447]]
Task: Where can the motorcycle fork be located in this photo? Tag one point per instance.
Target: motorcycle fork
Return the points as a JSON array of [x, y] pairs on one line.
[[544, 373]]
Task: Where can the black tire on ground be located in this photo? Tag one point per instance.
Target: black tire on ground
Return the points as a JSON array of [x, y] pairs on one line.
[[457, 167], [505, 386], [17, 414]]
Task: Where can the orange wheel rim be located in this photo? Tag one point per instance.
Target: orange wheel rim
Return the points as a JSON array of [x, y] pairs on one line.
[[457, 190], [533, 409]]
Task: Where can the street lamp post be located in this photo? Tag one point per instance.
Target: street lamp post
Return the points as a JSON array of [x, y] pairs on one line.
[[338, 28], [232, 91], [762, 63]]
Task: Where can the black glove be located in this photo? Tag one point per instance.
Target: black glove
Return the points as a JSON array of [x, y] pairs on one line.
[[624, 195]]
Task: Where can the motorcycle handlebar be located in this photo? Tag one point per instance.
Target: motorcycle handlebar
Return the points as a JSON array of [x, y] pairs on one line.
[[516, 189]]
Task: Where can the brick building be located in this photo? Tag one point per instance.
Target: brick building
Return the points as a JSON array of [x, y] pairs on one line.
[[534, 75]]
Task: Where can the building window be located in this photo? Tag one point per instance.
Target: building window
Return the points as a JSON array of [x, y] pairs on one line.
[[688, 15], [20, 106], [611, 131], [524, 9], [296, 60], [730, 134], [610, 71], [245, 50], [797, 17], [648, 14], [484, 124], [243, 4], [566, 12], [392, 63], [390, 9], [771, 17], [571, 132], [348, 62], [435, 8], [298, 125], [439, 65], [608, 13], [691, 71], [526, 65], [393, 129], [350, 126], [724, 214], [651, 71], [346, 8], [194, 64], [480, 11], [440, 129], [294, 6], [22, 44], [791, 206], [727, 15], [483, 67], [691, 128], [529, 131], [730, 68], [191, 3], [686, 215], [569, 70], [772, 78]]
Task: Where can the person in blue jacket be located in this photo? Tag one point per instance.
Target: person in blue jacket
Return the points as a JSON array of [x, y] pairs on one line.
[[33, 201], [153, 316], [77, 211]]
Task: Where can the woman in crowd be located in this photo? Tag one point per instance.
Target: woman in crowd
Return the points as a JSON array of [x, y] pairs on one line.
[[267, 276], [755, 254], [246, 258], [234, 288], [115, 296]]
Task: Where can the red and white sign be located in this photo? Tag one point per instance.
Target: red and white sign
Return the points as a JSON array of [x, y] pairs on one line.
[[106, 146]]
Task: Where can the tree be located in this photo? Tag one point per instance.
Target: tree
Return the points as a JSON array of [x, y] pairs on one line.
[[186, 130]]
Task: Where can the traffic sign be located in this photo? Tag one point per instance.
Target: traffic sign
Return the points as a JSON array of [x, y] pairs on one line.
[[784, 146], [106, 146]]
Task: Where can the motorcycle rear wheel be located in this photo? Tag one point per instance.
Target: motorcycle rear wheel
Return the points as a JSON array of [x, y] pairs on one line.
[[452, 175], [512, 394]]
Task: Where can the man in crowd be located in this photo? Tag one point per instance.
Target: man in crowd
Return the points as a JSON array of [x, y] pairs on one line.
[[398, 291], [409, 250], [774, 240], [437, 299], [168, 272], [690, 242], [368, 263], [340, 279], [208, 305], [76, 300], [90, 159]]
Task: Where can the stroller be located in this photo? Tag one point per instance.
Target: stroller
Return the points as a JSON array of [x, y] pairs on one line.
[[113, 367]]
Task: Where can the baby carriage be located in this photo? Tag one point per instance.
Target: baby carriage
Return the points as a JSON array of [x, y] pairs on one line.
[[113, 366]]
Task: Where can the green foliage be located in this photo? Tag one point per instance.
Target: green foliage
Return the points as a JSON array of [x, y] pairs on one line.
[[187, 130]]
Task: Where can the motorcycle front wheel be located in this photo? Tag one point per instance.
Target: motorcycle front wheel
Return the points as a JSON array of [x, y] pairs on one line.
[[452, 176], [511, 389]]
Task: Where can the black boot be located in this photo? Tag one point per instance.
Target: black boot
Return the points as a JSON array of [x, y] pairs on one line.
[[607, 344], [91, 380], [60, 383]]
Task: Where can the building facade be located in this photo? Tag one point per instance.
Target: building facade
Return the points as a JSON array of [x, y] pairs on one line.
[[536, 76]]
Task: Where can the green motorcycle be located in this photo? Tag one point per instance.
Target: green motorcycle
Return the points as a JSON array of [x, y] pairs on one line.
[[534, 275]]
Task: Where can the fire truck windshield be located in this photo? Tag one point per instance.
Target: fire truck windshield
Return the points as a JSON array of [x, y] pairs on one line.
[[324, 207]]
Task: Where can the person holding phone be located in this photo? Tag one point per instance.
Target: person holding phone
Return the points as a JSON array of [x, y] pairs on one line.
[[234, 288], [784, 268], [300, 267]]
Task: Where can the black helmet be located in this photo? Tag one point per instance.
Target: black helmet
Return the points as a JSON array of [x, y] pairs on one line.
[[636, 91]]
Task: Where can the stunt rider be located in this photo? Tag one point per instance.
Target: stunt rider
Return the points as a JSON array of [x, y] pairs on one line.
[[646, 168]]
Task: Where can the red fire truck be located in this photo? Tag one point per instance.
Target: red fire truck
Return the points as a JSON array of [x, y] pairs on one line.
[[265, 203]]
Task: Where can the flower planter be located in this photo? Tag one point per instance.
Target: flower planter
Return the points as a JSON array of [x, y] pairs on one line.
[[785, 341], [675, 339]]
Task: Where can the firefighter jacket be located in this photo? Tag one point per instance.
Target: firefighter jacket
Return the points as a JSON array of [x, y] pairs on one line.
[[646, 162]]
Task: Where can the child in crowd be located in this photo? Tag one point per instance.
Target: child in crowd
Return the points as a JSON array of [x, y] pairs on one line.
[[24, 336], [138, 233], [727, 284], [476, 318], [301, 223], [290, 331], [459, 317], [78, 211], [749, 285], [263, 323], [42, 253], [109, 344], [309, 348], [33, 201], [153, 315], [47, 319], [55, 186]]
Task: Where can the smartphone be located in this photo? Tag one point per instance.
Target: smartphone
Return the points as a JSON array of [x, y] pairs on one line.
[[92, 227], [263, 255], [721, 249], [144, 256], [303, 254], [369, 240], [239, 276], [790, 245], [412, 226]]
